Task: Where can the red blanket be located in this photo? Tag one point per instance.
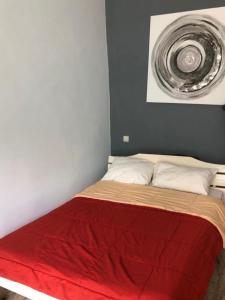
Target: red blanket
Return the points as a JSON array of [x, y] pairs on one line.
[[93, 250]]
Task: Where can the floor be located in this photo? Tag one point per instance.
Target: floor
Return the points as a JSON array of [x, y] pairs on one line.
[[216, 289], [7, 295]]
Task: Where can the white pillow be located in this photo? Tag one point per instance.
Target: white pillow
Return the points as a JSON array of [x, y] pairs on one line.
[[130, 170], [183, 178]]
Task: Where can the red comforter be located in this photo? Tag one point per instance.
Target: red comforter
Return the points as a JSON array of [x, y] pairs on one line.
[[94, 250]]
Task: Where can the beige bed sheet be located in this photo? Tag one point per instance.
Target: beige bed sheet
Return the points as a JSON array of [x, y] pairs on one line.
[[206, 207]]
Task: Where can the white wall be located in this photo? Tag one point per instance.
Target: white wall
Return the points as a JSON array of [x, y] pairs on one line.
[[54, 104]]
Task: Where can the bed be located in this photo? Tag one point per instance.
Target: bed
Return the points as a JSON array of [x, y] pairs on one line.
[[120, 241]]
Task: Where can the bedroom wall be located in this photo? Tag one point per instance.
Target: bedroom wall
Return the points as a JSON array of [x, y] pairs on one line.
[[196, 130], [54, 104]]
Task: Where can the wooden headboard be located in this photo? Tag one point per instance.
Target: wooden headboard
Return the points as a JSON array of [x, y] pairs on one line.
[[219, 181]]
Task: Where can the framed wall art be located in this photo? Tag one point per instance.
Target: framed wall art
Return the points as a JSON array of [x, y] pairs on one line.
[[187, 57]]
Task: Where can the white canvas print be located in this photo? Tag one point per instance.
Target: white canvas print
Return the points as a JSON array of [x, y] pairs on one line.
[[187, 57]]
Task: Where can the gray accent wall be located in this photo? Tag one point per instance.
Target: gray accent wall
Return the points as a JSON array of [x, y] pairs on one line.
[[196, 130], [54, 104]]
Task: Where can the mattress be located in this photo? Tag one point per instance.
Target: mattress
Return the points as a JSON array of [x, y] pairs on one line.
[[91, 249]]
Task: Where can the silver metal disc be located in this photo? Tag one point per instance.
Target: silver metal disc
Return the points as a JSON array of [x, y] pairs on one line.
[[188, 58]]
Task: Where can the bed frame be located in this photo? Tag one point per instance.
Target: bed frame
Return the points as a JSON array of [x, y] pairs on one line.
[[219, 180], [218, 183]]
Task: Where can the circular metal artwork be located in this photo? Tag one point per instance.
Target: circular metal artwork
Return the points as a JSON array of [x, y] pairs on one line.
[[188, 59]]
